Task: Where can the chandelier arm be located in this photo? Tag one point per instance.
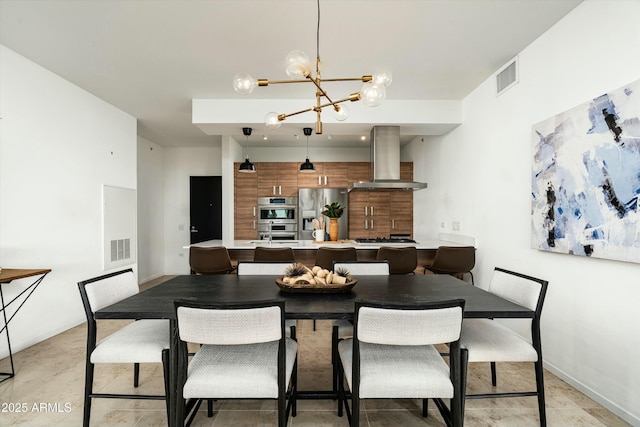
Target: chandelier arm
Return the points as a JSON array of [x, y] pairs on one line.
[[363, 79], [267, 82], [353, 97]]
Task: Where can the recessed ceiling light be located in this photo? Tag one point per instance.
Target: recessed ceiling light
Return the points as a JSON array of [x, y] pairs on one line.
[[363, 138], [265, 137], [329, 137]]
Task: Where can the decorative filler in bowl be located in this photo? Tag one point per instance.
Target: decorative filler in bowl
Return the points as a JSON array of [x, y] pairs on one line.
[[300, 278]]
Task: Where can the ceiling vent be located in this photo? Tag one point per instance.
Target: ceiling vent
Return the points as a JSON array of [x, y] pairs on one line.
[[507, 76]]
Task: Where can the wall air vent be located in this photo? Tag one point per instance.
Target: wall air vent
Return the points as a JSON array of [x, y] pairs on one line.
[[120, 249], [507, 76]]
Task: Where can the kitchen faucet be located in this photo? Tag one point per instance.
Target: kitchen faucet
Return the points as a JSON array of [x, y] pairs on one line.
[[270, 232]]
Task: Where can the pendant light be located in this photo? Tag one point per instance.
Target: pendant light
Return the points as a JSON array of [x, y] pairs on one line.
[[247, 166], [307, 166]]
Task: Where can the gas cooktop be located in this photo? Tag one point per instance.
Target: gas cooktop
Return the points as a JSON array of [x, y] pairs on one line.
[[384, 240]]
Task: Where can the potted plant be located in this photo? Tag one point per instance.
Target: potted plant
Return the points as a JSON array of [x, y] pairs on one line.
[[333, 211]]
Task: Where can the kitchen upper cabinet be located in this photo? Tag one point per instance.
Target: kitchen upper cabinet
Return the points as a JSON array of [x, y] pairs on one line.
[[359, 171], [327, 174], [246, 204], [335, 175], [277, 179], [310, 179], [406, 171]]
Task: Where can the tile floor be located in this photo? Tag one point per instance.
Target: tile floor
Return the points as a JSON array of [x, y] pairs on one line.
[[48, 389]]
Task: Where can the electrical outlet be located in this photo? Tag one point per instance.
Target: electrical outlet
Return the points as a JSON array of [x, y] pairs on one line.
[[442, 225], [180, 254], [455, 225]]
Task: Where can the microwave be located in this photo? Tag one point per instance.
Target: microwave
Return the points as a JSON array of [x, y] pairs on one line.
[[277, 209]]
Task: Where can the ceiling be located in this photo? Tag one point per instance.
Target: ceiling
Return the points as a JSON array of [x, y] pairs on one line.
[[150, 58]]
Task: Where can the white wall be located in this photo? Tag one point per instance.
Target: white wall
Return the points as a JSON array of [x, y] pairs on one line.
[[480, 175], [58, 146], [179, 165], [151, 207]]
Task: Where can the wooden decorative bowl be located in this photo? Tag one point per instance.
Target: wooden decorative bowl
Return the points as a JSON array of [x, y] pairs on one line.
[[333, 288]]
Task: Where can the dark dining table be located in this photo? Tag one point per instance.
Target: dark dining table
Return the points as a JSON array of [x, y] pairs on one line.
[[157, 302]]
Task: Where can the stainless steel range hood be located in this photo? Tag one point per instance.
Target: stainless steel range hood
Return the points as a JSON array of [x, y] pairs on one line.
[[385, 163]]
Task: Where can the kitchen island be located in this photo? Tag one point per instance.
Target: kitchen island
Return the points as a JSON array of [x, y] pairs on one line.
[[305, 250]]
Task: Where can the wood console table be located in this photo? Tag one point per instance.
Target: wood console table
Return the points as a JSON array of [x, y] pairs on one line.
[[7, 275]]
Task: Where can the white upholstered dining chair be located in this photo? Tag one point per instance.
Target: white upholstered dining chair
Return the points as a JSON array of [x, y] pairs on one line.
[[392, 355], [488, 340], [268, 268], [243, 355], [143, 341], [344, 328]]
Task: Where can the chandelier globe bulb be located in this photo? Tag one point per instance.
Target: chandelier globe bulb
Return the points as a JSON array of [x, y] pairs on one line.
[[297, 64], [271, 120], [341, 113], [244, 84], [383, 78], [372, 94]]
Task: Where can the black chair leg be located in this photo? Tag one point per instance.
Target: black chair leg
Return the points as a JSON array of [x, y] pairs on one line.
[[464, 365], [165, 370], [494, 378], [425, 408], [540, 390], [334, 358], [472, 282], [209, 408], [136, 374], [314, 324], [88, 390]]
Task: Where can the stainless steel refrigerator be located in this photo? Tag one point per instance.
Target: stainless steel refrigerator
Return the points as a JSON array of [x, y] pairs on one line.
[[311, 202]]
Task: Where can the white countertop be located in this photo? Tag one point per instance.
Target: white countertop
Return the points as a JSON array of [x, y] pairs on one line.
[[310, 244]]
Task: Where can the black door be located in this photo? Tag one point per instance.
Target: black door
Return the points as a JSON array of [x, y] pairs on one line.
[[206, 208]]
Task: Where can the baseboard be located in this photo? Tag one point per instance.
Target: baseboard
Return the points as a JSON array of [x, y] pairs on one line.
[[589, 392], [148, 279]]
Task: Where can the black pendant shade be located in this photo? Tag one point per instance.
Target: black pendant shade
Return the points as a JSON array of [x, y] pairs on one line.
[[247, 166], [307, 166]]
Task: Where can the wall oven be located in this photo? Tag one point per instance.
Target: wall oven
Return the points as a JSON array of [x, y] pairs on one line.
[[278, 218]]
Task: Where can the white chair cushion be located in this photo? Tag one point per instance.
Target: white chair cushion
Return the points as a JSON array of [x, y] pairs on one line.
[[229, 327], [105, 292], [237, 371], [520, 290], [138, 342], [364, 268], [489, 341], [407, 327], [262, 268], [345, 328], [403, 372]]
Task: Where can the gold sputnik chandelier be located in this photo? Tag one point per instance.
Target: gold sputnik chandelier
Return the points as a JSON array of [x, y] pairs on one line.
[[299, 69]]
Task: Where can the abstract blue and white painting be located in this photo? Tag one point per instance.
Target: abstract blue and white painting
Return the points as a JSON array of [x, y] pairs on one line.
[[586, 178]]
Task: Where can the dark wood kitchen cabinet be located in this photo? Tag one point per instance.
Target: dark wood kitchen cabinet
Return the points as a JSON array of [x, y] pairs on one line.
[[327, 174], [246, 204], [277, 179]]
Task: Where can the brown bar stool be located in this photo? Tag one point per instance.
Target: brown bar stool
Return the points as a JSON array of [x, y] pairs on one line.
[[401, 260], [273, 254], [213, 260], [326, 256], [453, 260]]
